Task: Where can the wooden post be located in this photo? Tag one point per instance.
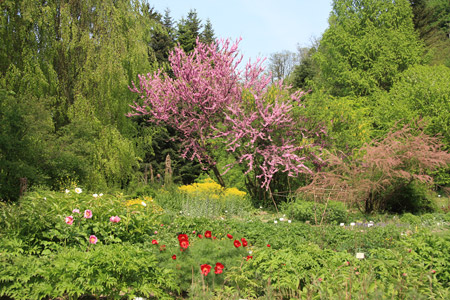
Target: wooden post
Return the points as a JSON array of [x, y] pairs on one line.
[[23, 186]]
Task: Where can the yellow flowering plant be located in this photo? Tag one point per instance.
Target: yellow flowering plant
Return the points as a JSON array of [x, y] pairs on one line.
[[208, 198]]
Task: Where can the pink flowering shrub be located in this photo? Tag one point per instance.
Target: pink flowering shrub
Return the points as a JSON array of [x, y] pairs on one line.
[[210, 101]]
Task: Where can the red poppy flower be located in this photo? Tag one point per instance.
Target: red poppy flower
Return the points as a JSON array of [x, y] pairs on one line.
[[268, 245], [154, 242], [208, 234], [200, 236], [244, 242], [184, 244], [249, 257], [214, 238], [229, 236], [174, 257], [205, 269], [182, 237], [218, 269], [237, 244]]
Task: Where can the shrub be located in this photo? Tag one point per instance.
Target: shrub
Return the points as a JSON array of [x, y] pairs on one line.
[[379, 171], [333, 212]]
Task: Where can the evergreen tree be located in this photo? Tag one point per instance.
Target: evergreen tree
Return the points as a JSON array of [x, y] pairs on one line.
[[188, 31], [168, 23], [207, 35]]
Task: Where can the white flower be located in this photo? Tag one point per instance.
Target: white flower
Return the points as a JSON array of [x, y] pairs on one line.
[[45, 198], [342, 224], [289, 221], [260, 207], [94, 195], [67, 191], [101, 194], [360, 255], [275, 221], [78, 190], [250, 252], [352, 224], [281, 219], [226, 211], [143, 203], [439, 196]]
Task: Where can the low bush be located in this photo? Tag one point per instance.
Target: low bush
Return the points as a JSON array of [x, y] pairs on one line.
[[113, 271], [316, 213]]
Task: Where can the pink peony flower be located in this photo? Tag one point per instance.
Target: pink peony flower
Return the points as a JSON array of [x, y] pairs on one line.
[[69, 220], [88, 214], [115, 219], [76, 211], [93, 239]]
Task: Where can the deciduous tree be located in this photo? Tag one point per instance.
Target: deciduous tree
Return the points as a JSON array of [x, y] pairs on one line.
[[211, 101]]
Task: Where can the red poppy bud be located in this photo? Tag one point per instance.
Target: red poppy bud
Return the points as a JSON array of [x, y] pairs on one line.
[[229, 236], [174, 257]]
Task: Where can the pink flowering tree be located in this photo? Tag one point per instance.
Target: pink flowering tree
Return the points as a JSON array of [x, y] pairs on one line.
[[212, 103]]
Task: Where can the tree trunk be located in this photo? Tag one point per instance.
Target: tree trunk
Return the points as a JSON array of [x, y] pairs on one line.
[[218, 176]]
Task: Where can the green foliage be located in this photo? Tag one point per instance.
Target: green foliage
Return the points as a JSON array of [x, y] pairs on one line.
[[23, 139], [304, 73], [431, 20], [332, 212], [421, 92], [414, 197], [114, 271], [367, 44], [347, 120]]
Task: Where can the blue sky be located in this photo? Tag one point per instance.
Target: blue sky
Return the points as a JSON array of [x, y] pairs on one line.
[[266, 26]]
